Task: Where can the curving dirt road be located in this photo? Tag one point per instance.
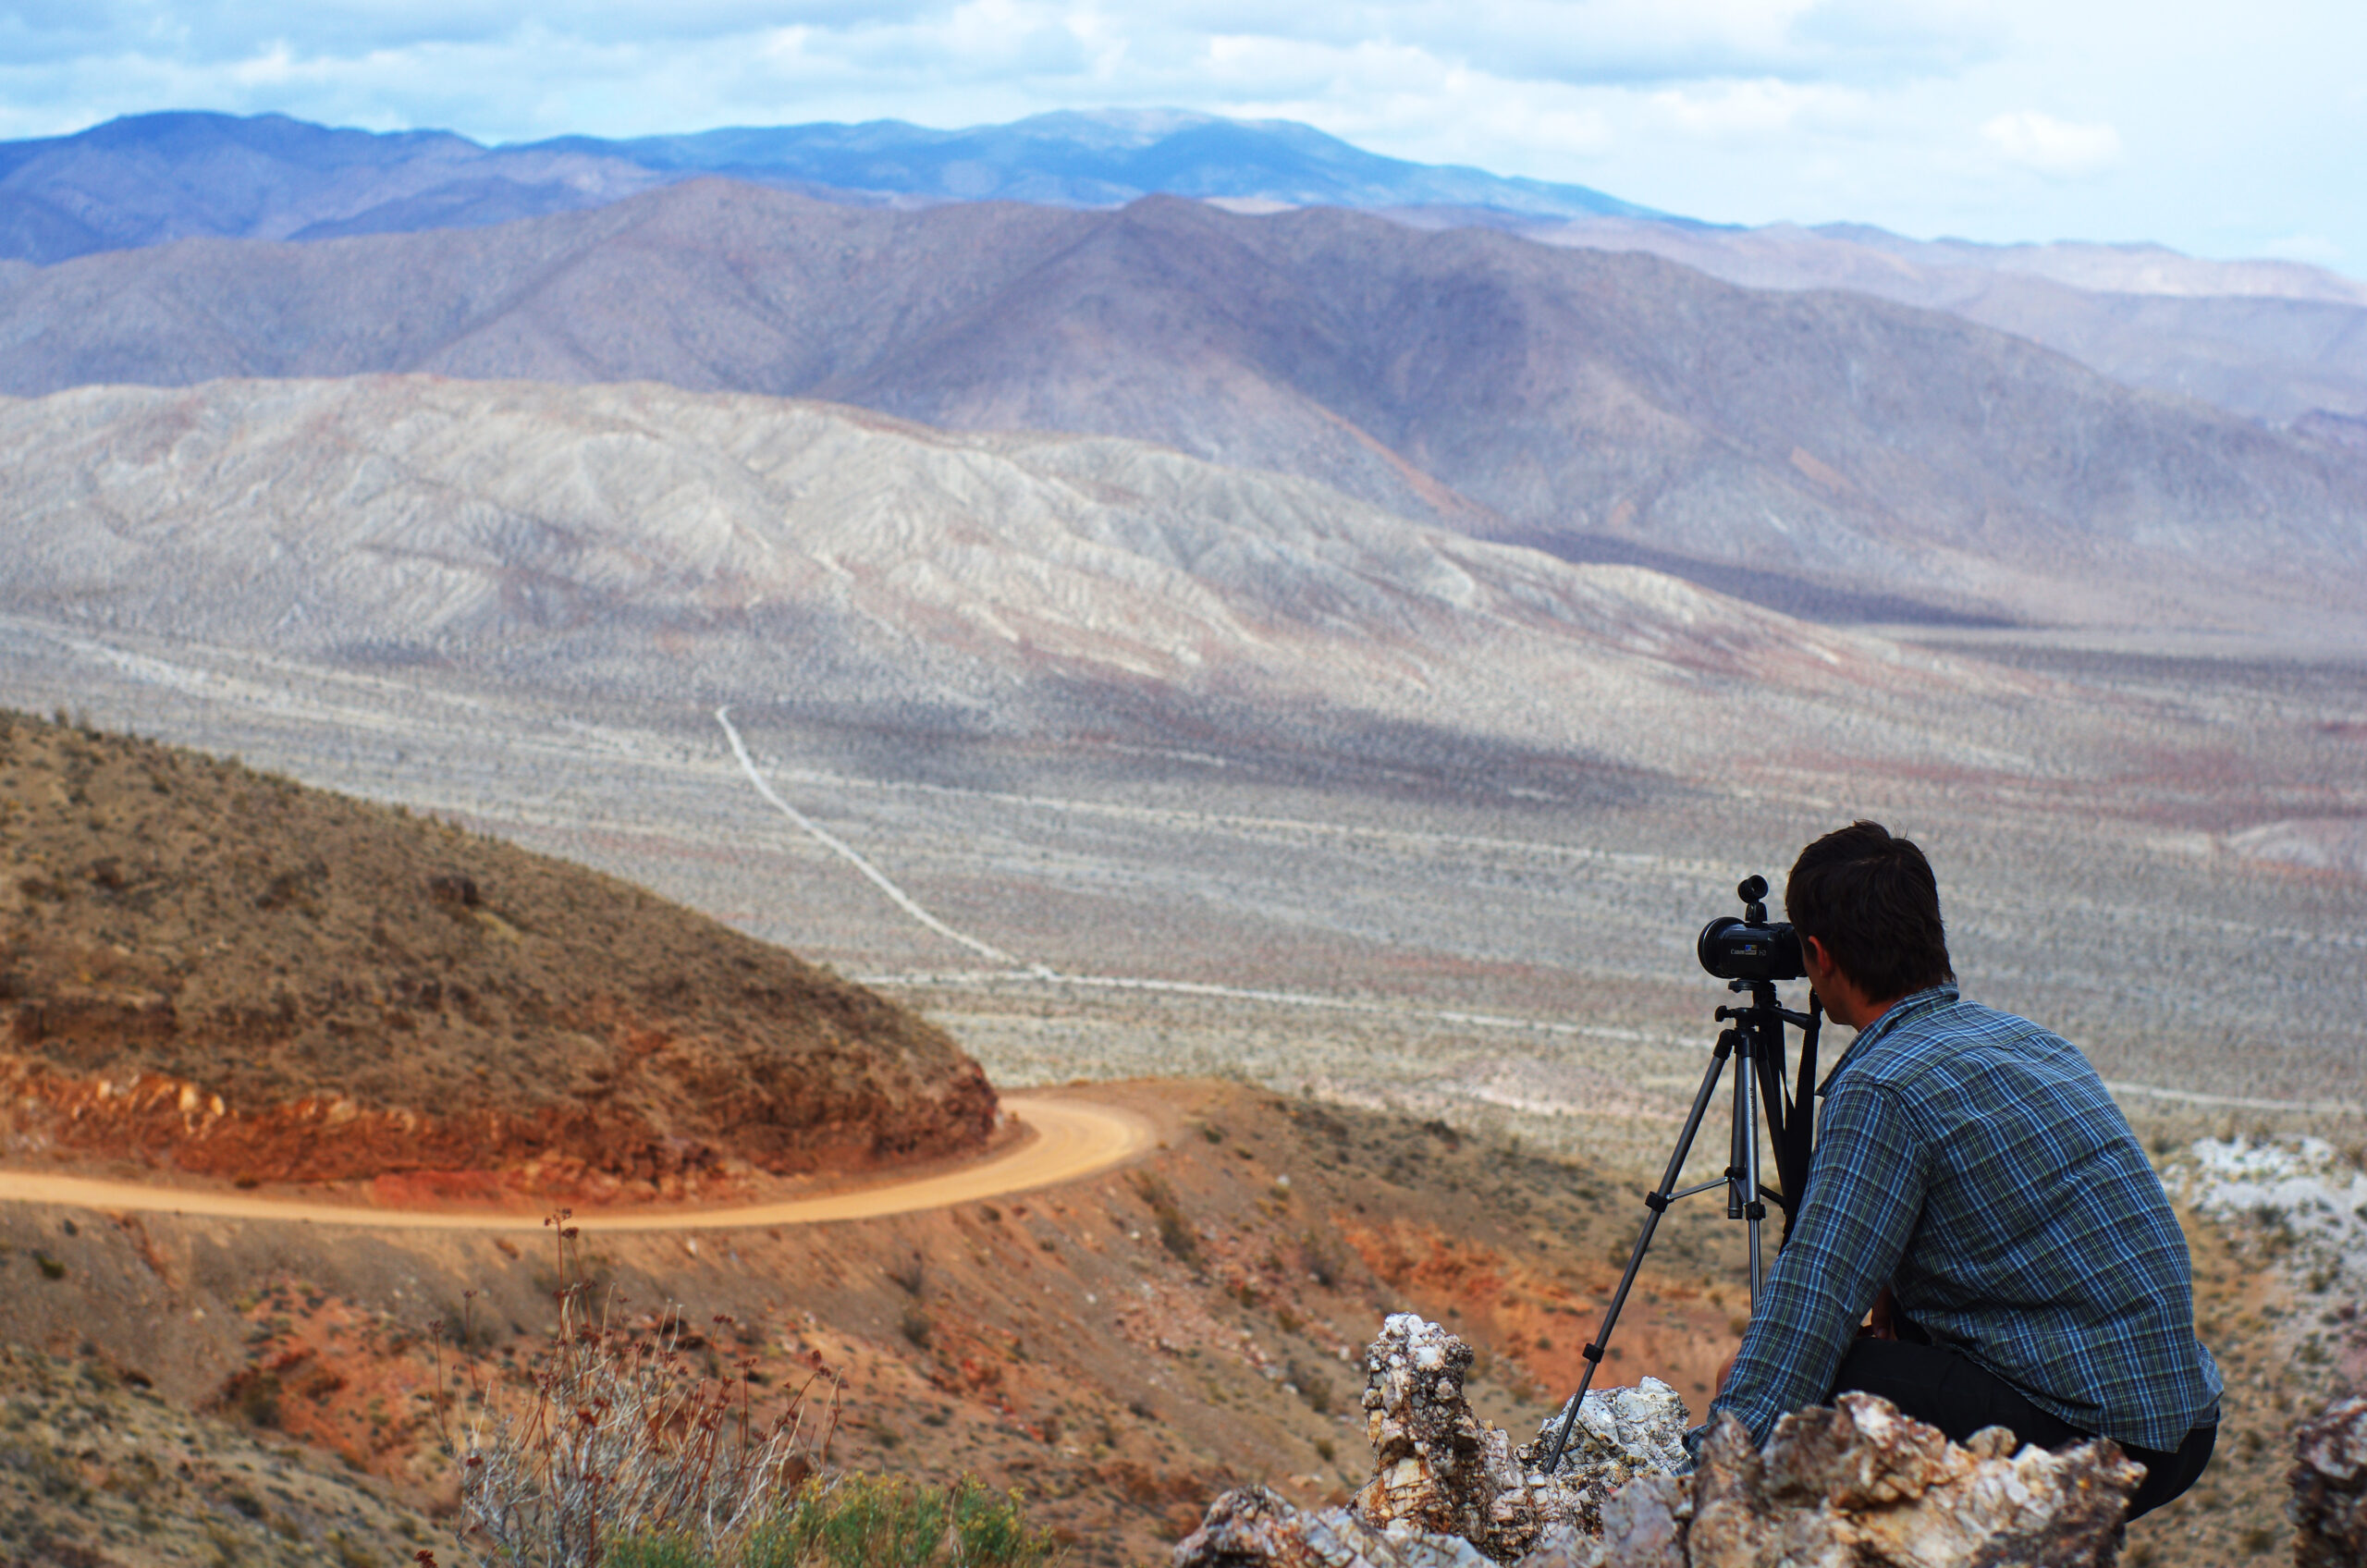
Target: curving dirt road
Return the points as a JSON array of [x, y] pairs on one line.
[[1072, 1140]]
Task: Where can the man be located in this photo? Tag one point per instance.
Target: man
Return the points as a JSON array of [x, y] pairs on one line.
[[1975, 1185]]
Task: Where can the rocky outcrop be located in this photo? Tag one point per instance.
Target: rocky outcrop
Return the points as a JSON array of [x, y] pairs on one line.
[[2329, 1476], [1858, 1484], [1254, 1528], [1620, 1435], [1436, 1470], [1862, 1483]]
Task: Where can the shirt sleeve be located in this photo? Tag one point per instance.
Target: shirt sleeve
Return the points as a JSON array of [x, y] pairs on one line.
[[1866, 1186]]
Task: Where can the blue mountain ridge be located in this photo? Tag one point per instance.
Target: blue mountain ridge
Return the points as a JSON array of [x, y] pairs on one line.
[[1099, 158], [148, 180]]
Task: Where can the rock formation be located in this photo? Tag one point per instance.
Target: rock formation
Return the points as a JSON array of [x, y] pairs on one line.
[[2329, 1506], [1859, 1483], [1436, 1470]]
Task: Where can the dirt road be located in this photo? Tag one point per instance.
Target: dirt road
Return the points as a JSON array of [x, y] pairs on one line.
[[1071, 1139]]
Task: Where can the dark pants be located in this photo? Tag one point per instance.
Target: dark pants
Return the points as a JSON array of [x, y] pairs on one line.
[[1950, 1391]]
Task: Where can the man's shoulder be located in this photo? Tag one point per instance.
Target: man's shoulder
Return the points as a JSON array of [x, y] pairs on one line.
[[1938, 1031]]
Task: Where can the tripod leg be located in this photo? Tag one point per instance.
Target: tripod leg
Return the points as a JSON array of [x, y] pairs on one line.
[[1753, 1212], [1753, 1207], [1738, 1130], [1656, 1204]]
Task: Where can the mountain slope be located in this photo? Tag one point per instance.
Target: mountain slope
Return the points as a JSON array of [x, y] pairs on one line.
[[222, 972], [1821, 452], [2273, 340]]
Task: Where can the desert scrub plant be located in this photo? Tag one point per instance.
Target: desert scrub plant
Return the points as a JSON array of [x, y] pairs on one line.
[[616, 1436], [1175, 1232], [866, 1522]]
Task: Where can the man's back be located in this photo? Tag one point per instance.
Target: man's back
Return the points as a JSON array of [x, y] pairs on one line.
[[1975, 1163], [2046, 1248]]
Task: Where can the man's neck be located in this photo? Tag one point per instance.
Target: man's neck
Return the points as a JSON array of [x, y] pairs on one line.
[[1871, 1012], [1851, 1006]]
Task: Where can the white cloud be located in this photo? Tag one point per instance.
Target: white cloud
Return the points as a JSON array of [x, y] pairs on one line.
[[1728, 110], [2050, 146], [1575, 41], [2315, 248]]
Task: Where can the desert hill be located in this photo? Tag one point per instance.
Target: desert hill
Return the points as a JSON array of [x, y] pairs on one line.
[[1824, 452], [644, 542], [219, 970]]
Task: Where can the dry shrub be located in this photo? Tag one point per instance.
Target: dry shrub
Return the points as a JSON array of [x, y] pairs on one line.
[[1175, 1231], [618, 1436]]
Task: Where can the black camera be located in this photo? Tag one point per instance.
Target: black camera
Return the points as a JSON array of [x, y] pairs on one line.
[[1753, 948]]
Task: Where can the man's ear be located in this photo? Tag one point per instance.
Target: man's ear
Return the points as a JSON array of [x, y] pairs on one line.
[[1828, 976]]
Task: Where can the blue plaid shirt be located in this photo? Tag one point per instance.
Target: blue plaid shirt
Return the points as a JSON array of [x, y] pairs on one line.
[[1974, 1162]]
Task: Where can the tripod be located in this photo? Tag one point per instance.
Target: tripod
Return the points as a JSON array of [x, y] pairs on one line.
[[1754, 1039]]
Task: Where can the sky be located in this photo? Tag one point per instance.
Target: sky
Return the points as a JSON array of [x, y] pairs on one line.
[[2221, 129]]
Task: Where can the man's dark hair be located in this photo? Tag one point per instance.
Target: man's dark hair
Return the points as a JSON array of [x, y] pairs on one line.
[[1872, 899]]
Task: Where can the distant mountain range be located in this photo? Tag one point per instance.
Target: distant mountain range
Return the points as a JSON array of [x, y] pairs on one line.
[[1826, 453], [1094, 159], [2277, 341], [148, 180]]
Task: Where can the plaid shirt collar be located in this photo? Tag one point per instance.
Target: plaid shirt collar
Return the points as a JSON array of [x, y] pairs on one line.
[[1913, 1005]]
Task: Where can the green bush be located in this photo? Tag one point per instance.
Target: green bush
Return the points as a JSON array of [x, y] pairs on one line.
[[656, 1551], [992, 1532], [867, 1522]]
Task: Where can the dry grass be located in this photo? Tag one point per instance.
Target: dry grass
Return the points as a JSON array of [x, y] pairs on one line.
[[618, 1435], [97, 1470], [630, 1451]]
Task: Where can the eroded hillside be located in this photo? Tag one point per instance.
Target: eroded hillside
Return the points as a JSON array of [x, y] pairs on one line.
[[652, 543], [222, 971]]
